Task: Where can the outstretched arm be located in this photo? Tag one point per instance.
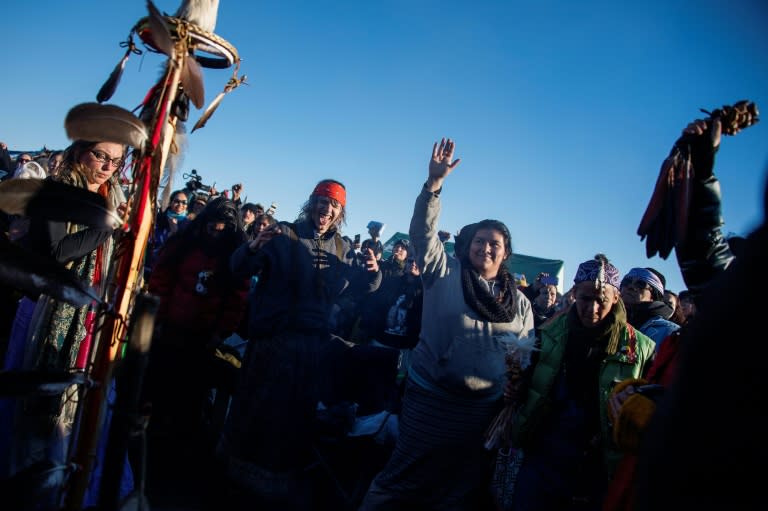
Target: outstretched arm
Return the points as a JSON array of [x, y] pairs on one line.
[[430, 253], [703, 253]]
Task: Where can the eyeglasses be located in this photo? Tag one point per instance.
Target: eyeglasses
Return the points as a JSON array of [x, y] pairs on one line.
[[104, 158], [638, 284], [24, 160], [177, 201]]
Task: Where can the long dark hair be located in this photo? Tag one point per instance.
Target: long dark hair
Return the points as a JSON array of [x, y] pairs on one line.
[[71, 161], [472, 294], [467, 233], [309, 205]]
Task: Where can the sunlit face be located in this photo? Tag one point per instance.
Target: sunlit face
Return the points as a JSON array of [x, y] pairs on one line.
[[98, 168], [325, 213], [635, 291], [248, 216], [399, 253], [592, 305], [487, 252], [23, 159], [179, 203], [54, 162], [547, 296]]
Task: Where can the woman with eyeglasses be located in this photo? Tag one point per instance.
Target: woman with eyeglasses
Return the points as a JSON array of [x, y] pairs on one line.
[[85, 250], [167, 223], [49, 334], [643, 294]]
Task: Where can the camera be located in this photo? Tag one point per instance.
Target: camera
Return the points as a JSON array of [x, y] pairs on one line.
[[195, 183]]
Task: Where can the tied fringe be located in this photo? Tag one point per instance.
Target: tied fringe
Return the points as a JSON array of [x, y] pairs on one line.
[[517, 359]]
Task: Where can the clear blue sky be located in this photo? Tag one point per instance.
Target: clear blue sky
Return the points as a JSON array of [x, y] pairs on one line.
[[561, 111]]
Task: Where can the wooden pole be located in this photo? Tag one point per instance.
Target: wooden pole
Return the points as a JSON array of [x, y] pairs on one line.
[[130, 268]]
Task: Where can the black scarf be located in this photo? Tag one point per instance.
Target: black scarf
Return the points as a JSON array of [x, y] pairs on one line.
[[476, 295], [585, 350]]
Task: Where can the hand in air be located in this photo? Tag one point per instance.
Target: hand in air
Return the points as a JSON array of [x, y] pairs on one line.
[[264, 236], [442, 163]]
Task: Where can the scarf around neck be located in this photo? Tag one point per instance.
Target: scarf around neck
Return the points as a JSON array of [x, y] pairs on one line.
[[607, 333], [477, 297]]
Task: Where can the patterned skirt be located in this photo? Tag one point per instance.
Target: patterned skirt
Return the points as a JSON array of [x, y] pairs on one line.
[[439, 459]]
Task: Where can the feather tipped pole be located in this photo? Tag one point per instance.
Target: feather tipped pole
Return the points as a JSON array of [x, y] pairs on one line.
[[192, 82], [105, 123], [110, 86], [231, 85], [161, 36]]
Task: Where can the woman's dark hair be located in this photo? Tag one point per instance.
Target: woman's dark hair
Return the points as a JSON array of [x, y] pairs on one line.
[[71, 156], [250, 206], [467, 233], [461, 249], [175, 194], [677, 314]]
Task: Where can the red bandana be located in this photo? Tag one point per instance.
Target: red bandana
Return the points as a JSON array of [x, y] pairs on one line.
[[332, 191]]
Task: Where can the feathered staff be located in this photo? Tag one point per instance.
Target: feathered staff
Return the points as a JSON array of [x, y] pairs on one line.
[[665, 221], [178, 38]]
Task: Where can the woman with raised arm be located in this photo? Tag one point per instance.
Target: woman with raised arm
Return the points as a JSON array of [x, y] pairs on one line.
[[472, 310]]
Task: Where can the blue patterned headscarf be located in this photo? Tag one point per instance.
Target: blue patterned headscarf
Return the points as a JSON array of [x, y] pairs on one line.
[[599, 271], [648, 277]]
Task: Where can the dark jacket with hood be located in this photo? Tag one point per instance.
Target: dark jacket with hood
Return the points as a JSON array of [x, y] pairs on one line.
[[301, 275]]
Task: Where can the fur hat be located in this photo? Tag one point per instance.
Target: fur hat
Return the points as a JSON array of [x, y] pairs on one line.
[[31, 170], [95, 122]]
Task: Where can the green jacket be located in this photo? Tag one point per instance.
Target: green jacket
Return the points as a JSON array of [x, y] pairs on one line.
[[614, 368]]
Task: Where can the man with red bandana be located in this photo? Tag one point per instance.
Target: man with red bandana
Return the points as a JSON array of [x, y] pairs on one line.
[[303, 268]]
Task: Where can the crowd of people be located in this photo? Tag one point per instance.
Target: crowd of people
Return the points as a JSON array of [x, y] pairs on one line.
[[266, 327]]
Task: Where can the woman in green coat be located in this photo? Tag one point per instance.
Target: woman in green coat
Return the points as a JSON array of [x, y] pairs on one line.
[[563, 427]]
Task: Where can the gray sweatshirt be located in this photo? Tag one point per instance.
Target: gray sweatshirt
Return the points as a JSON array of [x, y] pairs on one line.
[[458, 351]]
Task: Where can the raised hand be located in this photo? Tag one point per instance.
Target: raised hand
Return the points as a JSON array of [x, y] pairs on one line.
[[264, 236], [441, 164], [700, 126], [703, 139], [371, 264]]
